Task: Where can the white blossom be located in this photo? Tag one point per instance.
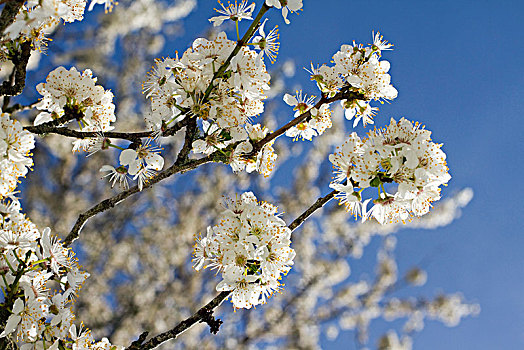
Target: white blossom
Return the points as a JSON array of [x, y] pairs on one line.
[[15, 147], [403, 154], [251, 247]]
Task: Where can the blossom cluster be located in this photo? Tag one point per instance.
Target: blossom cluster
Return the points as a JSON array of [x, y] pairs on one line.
[[36, 18], [181, 84], [78, 94], [358, 69], [15, 147], [41, 279], [401, 153], [250, 247], [189, 87], [75, 95]]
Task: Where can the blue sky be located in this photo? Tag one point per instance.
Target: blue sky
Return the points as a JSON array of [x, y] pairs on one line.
[[458, 68]]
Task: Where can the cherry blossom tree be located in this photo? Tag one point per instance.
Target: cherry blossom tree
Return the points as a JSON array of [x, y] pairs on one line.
[[140, 218]]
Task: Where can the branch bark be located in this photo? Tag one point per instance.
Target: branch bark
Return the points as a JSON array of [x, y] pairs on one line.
[[202, 315], [48, 128], [13, 88], [314, 207], [9, 13], [116, 199]]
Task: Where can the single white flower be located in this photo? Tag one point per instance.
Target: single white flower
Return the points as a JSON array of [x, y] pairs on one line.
[[145, 156], [235, 12], [380, 44], [268, 44]]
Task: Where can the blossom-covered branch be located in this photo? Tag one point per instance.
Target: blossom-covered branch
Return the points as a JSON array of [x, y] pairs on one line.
[[205, 313], [325, 100]]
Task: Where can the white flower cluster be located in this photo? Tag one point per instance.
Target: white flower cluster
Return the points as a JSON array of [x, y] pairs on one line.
[[264, 162], [15, 147], [77, 93], [185, 86], [40, 280], [358, 69], [320, 117], [401, 153], [216, 139], [37, 16], [250, 247], [176, 84]]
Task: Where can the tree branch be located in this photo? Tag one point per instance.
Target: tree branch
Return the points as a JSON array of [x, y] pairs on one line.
[[205, 314], [317, 205], [130, 136], [344, 94], [9, 13], [13, 88], [116, 199], [70, 113], [191, 133], [51, 127]]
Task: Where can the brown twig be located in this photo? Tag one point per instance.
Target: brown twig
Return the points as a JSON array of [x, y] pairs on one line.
[[116, 199], [46, 128], [9, 13], [204, 314], [20, 59], [191, 133], [314, 207]]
